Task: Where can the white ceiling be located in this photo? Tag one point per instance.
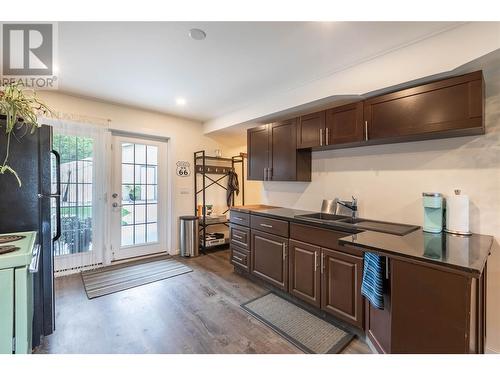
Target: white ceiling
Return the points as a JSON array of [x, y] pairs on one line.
[[149, 65]]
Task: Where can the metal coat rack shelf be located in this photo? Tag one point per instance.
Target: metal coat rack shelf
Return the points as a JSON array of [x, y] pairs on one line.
[[214, 171]]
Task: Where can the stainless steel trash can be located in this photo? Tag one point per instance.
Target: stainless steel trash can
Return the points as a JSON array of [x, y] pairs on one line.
[[189, 237]]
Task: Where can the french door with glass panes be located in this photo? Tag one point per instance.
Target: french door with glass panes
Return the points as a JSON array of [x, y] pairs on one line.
[[138, 197]]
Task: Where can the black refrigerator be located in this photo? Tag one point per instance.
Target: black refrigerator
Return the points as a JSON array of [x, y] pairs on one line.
[[31, 208]]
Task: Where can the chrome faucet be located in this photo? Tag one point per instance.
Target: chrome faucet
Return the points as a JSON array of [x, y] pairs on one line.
[[351, 205]]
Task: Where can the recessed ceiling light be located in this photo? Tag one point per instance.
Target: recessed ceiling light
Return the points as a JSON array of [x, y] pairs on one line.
[[180, 101], [197, 34]]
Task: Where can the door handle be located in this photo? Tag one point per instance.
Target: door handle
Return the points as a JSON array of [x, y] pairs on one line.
[[322, 263], [266, 225], [366, 130], [58, 195], [327, 136], [284, 251], [315, 261], [115, 205], [237, 237], [321, 137]]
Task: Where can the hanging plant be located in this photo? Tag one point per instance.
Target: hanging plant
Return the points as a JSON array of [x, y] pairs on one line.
[[21, 107]]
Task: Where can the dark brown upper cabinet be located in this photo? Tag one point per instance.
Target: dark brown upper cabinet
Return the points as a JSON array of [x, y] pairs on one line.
[[449, 107], [273, 154], [258, 152], [311, 130], [344, 124]]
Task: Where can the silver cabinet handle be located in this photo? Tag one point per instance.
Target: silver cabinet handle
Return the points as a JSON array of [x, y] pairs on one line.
[[327, 136], [366, 130], [386, 268], [237, 237], [266, 225], [315, 261], [321, 137], [270, 174], [237, 218], [322, 263], [238, 259], [284, 251]]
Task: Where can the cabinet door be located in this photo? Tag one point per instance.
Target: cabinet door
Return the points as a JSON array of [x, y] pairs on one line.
[[6, 310], [341, 286], [431, 310], [304, 272], [448, 105], [378, 322], [311, 130], [270, 258], [283, 150], [344, 124], [258, 152]]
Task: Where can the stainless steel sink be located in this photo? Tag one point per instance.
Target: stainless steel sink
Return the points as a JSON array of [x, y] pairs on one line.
[[323, 216]]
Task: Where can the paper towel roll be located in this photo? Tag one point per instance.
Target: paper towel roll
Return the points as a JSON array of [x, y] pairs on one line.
[[457, 214]]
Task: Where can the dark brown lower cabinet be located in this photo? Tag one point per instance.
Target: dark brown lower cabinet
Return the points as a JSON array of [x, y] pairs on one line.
[[341, 286], [378, 322], [428, 311], [304, 272], [270, 258], [431, 310]]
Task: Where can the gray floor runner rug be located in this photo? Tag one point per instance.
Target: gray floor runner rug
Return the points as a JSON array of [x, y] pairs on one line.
[[124, 276], [303, 329]]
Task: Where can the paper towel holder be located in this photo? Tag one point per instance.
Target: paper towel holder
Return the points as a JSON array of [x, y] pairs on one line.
[[454, 232]]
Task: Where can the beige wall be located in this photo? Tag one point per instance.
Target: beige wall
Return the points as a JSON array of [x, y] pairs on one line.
[[388, 181], [185, 137]]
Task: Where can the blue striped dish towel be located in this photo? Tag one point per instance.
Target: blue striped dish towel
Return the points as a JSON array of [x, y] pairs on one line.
[[372, 286]]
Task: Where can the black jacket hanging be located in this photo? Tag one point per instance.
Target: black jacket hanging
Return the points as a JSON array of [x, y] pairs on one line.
[[232, 187]]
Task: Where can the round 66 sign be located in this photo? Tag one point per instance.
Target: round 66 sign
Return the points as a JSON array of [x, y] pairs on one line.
[[183, 169]]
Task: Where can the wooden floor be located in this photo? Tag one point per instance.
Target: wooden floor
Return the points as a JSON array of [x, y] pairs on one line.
[[198, 312]]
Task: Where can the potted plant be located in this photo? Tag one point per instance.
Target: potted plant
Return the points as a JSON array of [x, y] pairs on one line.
[[20, 107]]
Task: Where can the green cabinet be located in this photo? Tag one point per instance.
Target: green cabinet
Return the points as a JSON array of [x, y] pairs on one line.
[[6, 310], [16, 296]]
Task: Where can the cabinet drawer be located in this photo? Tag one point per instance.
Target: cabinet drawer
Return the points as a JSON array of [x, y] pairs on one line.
[[240, 258], [240, 218], [240, 236], [273, 226], [328, 238]]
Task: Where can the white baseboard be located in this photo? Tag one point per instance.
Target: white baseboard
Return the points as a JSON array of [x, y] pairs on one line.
[[174, 252], [491, 351]]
